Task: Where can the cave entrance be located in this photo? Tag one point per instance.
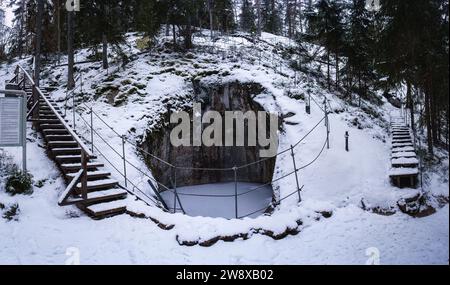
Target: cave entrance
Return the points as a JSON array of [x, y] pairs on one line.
[[205, 181]]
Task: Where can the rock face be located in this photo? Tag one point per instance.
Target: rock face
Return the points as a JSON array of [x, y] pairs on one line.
[[233, 96]]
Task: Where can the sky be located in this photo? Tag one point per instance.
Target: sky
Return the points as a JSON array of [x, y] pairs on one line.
[[9, 13]]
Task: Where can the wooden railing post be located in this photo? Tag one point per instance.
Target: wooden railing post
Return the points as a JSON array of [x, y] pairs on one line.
[[35, 95], [84, 176], [92, 130], [124, 162]]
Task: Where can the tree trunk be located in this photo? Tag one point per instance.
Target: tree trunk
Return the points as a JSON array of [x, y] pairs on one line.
[[434, 117], [410, 99], [70, 63], [105, 51], [328, 70], [258, 7], [174, 33], [58, 28], [337, 71], [210, 18], [188, 34], [37, 60], [428, 116]]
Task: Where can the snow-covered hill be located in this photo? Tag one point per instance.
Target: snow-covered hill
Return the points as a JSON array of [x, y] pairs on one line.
[[352, 186]]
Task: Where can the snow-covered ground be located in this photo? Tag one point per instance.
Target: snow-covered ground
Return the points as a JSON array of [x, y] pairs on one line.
[[337, 182]]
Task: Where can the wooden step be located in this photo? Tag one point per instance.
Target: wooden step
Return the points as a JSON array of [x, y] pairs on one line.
[[398, 145], [55, 132], [105, 195], [99, 184], [52, 127], [48, 117], [410, 154], [92, 175], [58, 137], [62, 144], [401, 141], [73, 167], [403, 149], [66, 151], [68, 158], [109, 209], [48, 121], [401, 137]]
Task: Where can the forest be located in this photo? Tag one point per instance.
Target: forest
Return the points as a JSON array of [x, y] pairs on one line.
[[387, 44]]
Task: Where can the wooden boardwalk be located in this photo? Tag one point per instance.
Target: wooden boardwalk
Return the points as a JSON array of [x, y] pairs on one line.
[[404, 163], [90, 186]]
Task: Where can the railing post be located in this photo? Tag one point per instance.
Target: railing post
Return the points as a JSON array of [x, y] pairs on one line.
[[326, 122], [308, 105], [84, 177], [81, 81], [236, 211], [73, 111], [175, 194], [346, 141], [296, 174], [92, 131], [35, 95], [124, 161]]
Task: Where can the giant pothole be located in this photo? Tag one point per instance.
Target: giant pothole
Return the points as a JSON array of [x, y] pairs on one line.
[[213, 181]]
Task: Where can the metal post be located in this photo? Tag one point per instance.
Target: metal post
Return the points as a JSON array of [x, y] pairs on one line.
[[84, 177], [81, 81], [92, 131], [308, 105], [346, 141], [24, 133], [296, 174], [236, 211], [124, 161], [327, 123], [175, 191]]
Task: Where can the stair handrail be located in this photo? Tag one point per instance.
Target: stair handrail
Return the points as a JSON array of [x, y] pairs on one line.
[[69, 129], [85, 152]]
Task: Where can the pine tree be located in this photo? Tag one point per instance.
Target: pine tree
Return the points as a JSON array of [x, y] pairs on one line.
[[248, 17], [271, 18]]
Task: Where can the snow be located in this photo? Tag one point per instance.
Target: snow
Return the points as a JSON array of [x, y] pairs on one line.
[[403, 171], [338, 181], [406, 161]]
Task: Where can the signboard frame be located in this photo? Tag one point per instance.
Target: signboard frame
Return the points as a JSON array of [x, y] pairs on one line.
[[22, 95]]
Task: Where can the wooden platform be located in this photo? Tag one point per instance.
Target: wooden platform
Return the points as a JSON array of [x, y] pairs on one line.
[[404, 163]]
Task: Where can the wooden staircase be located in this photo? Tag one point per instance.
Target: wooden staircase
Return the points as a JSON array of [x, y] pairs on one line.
[[405, 165], [90, 186]]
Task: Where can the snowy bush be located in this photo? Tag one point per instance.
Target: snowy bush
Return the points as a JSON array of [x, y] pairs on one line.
[[19, 182], [12, 213]]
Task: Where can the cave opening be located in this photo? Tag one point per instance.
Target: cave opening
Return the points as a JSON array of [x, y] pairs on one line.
[[213, 181]]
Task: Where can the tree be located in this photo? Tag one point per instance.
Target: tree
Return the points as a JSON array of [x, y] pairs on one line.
[[248, 17], [270, 14], [37, 59], [326, 28]]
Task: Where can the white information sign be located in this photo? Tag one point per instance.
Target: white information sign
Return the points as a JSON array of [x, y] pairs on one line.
[[11, 122]]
